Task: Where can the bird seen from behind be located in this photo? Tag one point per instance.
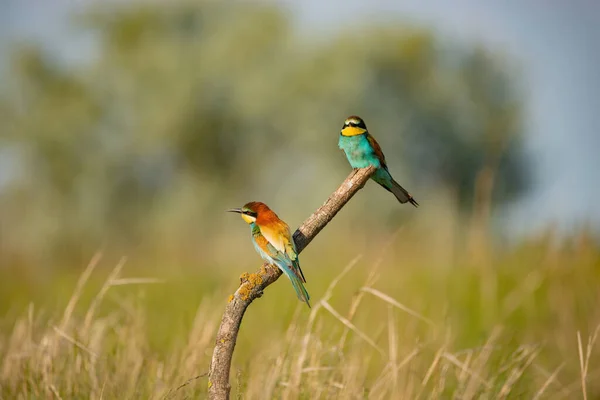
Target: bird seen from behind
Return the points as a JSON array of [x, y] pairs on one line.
[[362, 151], [273, 241]]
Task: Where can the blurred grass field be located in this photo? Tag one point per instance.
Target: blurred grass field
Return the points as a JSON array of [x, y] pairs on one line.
[[418, 315]]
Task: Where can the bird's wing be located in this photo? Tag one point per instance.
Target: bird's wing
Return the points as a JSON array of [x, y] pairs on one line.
[[377, 149], [278, 234], [273, 235], [292, 252]]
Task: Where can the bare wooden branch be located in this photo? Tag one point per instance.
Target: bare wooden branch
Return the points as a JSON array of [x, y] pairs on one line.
[[253, 285]]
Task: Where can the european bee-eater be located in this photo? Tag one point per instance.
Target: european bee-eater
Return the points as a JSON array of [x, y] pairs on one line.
[[362, 150], [273, 241]]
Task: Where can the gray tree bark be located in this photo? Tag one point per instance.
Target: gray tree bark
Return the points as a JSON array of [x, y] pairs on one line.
[[253, 285]]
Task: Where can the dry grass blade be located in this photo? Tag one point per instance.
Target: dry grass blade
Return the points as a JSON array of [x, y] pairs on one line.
[[516, 374], [54, 391], [96, 302], [436, 360], [352, 327], [277, 369], [463, 367], [78, 289], [296, 378], [468, 358], [392, 336], [102, 390], [548, 382], [408, 358], [393, 348], [184, 384], [383, 384], [582, 366], [584, 362], [317, 369], [74, 342], [337, 279], [357, 299], [393, 369], [371, 279], [479, 363], [397, 304], [135, 281]]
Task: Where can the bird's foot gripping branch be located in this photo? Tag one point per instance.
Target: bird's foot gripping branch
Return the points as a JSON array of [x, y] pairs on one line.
[[253, 285]]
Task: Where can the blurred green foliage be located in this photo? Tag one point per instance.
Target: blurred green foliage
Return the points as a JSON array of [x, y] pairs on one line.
[[187, 109]]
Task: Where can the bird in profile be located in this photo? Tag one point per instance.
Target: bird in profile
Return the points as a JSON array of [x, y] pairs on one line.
[[273, 241], [362, 151]]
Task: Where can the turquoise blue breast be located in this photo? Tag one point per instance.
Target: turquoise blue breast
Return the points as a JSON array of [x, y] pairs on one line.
[[359, 151]]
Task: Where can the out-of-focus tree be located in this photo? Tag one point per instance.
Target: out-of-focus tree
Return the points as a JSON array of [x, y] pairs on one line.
[[185, 105]]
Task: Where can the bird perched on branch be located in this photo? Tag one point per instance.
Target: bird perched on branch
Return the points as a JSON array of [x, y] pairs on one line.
[[362, 150], [273, 241]]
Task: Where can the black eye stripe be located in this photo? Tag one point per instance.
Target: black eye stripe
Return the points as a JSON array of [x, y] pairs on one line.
[[354, 123], [249, 213]]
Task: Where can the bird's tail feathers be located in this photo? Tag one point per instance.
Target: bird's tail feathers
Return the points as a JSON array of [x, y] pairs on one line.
[[298, 271], [301, 291], [402, 194]]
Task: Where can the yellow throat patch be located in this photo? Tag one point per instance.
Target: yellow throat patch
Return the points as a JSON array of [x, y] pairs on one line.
[[353, 131], [248, 218]]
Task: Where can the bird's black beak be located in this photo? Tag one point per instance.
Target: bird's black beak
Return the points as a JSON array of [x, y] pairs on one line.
[[235, 210]]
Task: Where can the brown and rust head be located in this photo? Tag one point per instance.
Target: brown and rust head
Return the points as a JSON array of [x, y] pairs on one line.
[[354, 125], [254, 210]]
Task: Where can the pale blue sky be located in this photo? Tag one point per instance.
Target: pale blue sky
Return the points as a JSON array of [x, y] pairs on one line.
[[556, 41]]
